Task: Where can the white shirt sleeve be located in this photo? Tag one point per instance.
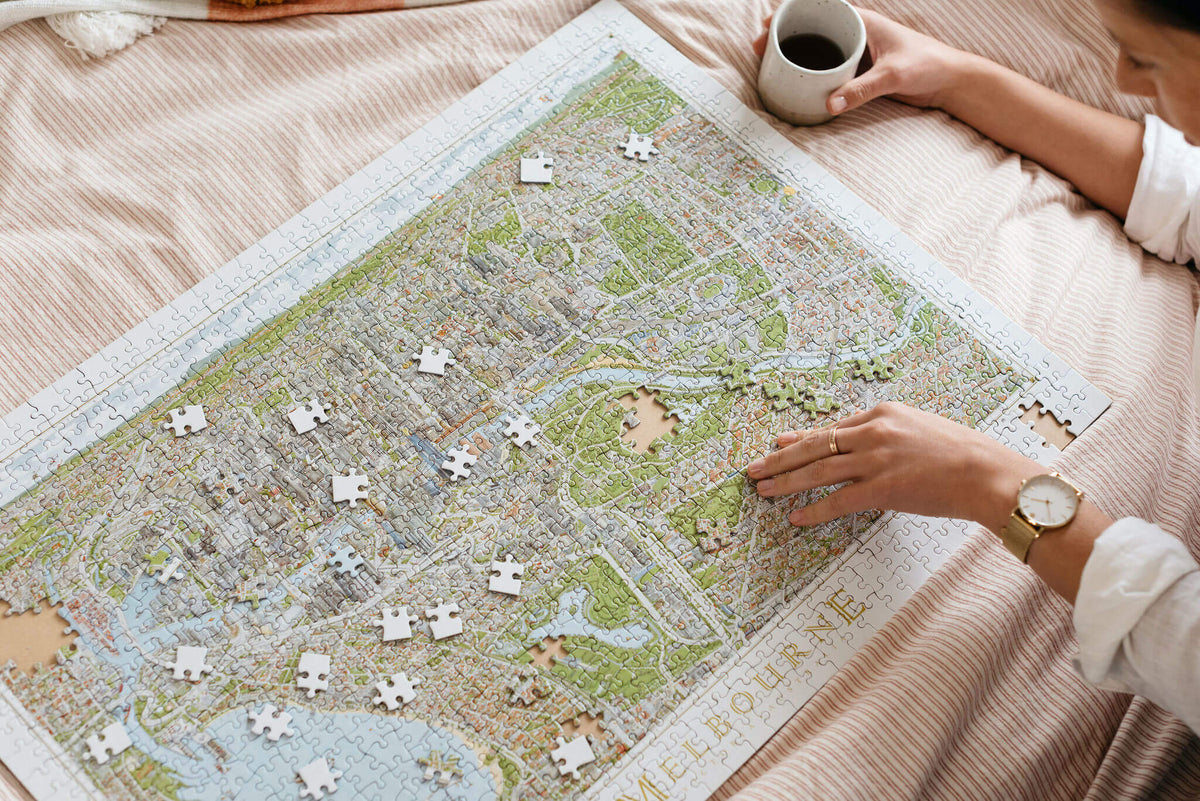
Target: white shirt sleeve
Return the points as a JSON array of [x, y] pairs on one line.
[[1137, 617], [1164, 213]]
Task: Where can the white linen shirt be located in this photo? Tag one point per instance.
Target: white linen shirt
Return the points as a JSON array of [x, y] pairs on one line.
[[1137, 614]]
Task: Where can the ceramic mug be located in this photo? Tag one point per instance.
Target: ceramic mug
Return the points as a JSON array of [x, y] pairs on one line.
[[793, 93]]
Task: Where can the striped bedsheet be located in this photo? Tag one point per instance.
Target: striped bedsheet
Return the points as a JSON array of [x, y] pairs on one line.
[[123, 181]]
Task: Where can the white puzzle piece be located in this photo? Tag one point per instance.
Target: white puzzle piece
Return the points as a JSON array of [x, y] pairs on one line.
[[396, 690], [189, 663], [272, 721], [351, 487], [504, 576], [396, 623], [537, 170], [110, 742], [318, 779], [570, 757], [306, 417], [186, 420], [313, 673]]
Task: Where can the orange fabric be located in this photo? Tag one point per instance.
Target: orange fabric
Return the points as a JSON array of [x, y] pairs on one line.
[[225, 11]]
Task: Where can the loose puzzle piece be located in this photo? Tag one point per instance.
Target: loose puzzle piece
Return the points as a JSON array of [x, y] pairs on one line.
[[788, 395], [313, 673], [816, 405], [737, 376], [345, 560], [396, 690], [504, 576], [872, 369], [458, 463], [111, 741], [189, 663], [167, 569], [522, 429], [640, 147], [444, 620], [537, 170], [351, 487], [306, 417], [433, 361], [784, 395], [570, 757], [396, 623], [318, 778], [443, 768], [272, 721], [187, 420]]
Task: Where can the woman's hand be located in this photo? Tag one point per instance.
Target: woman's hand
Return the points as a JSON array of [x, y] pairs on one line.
[[899, 458], [905, 66]]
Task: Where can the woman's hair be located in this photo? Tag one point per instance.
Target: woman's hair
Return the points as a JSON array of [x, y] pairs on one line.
[[1179, 13]]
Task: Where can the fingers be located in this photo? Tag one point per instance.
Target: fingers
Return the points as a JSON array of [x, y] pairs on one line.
[[873, 21], [851, 498], [875, 82], [821, 473], [807, 447], [760, 44]]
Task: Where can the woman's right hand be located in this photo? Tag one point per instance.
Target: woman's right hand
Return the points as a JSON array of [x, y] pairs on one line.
[[905, 66]]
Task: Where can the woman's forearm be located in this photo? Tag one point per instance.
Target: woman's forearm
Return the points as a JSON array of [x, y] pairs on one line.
[[1059, 555], [1096, 151]]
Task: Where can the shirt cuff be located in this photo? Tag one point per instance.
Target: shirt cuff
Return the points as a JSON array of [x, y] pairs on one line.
[[1132, 563], [1160, 214]]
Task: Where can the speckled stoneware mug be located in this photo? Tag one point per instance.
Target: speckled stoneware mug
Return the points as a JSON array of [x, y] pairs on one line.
[[793, 93]]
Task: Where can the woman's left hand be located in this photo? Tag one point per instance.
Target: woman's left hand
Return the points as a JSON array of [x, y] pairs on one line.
[[899, 458]]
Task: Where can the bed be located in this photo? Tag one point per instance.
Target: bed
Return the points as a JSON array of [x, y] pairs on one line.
[[127, 179]]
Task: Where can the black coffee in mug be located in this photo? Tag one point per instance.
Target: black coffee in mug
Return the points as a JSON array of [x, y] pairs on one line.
[[812, 51]]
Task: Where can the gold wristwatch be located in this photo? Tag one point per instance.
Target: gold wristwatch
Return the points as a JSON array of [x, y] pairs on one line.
[[1043, 502]]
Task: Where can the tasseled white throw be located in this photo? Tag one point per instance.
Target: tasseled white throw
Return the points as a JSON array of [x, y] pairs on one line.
[[98, 33]]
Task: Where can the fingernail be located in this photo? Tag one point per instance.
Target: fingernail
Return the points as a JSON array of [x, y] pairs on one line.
[[756, 468], [788, 437], [797, 517], [766, 486], [837, 104]]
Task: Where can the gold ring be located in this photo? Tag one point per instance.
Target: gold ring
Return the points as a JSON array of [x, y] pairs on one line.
[[833, 448]]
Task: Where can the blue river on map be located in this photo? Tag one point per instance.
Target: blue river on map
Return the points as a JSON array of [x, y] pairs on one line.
[[571, 620], [376, 754]]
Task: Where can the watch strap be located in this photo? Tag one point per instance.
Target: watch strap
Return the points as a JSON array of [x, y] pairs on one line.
[[1019, 535]]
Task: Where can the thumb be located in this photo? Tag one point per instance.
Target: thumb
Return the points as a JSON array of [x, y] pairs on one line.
[[873, 83]]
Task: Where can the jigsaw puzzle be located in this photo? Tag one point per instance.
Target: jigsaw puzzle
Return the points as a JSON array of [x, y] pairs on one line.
[[254, 488]]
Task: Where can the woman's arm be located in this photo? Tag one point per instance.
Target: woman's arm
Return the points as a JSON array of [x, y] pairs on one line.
[[1096, 151], [897, 457], [1137, 587]]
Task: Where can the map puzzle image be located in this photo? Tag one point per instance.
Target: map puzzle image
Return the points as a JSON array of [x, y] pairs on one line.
[[702, 295]]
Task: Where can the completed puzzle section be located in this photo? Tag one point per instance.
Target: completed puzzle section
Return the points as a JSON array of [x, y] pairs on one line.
[[469, 518]]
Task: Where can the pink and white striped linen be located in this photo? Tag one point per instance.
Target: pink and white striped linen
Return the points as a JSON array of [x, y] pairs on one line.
[[124, 181]]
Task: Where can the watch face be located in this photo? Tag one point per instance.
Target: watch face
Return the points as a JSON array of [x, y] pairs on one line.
[[1048, 500]]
